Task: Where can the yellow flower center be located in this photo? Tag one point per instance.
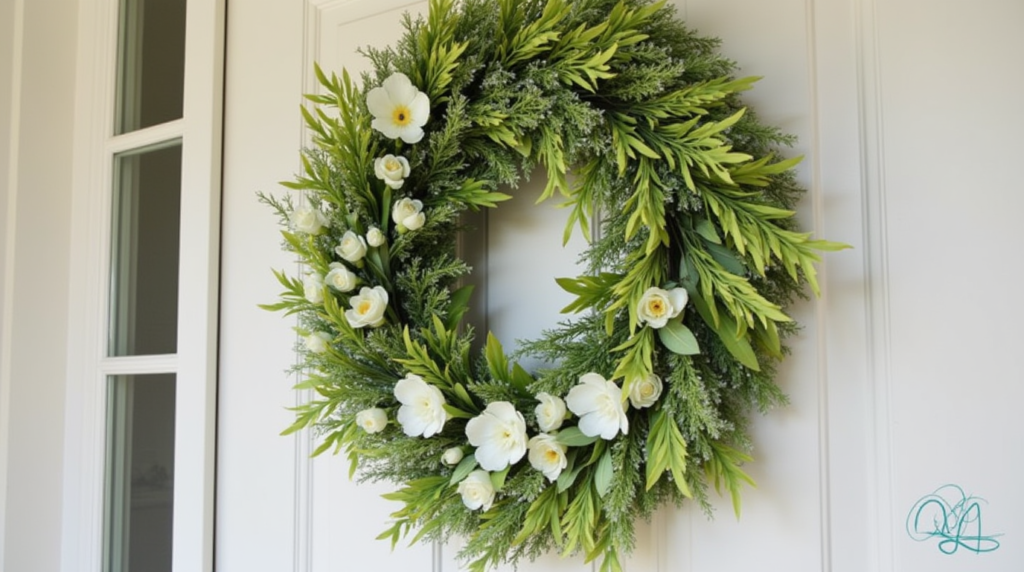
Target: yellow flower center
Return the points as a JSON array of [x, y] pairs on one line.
[[392, 165], [646, 390], [656, 307], [364, 307], [401, 116], [551, 455]]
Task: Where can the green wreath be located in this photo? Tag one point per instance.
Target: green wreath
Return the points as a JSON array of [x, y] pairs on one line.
[[678, 320]]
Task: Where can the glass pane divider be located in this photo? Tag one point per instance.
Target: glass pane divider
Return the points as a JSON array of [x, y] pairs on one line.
[[162, 133], [138, 365]]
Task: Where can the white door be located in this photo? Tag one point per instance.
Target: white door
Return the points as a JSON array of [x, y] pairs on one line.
[[903, 379]]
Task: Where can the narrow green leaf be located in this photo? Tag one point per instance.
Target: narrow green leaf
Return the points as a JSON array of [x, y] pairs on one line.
[[573, 437], [603, 474], [463, 469]]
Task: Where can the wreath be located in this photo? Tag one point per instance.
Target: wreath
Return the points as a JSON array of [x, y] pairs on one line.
[[677, 324]]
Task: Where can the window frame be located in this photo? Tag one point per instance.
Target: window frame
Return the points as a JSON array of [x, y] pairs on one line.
[[195, 363]]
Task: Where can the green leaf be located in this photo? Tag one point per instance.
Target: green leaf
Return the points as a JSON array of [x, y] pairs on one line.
[[678, 338], [573, 437], [458, 306], [463, 469], [666, 450], [706, 229], [603, 474], [498, 478], [727, 329], [727, 258]]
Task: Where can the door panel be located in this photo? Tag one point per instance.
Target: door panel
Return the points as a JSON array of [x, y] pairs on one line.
[[898, 381]]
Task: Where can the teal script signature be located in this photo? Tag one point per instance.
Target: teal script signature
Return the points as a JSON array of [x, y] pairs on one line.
[[954, 518]]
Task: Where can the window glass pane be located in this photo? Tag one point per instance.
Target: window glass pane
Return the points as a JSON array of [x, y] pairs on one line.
[[151, 63], [140, 473], [144, 251]]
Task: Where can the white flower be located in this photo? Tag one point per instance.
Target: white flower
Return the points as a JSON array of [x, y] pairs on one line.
[[368, 307], [374, 237], [308, 220], [317, 342], [499, 434], [453, 456], [313, 287], [341, 278], [422, 411], [550, 412], [399, 109], [547, 455], [408, 215], [645, 392], [372, 420], [477, 491], [598, 403], [352, 247], [658, 306], [392, 170]]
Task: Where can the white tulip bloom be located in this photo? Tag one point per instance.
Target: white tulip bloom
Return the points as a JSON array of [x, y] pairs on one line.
[[341, 278], [422, 411], [308, 220], [399, 109], [598, 403], [547, 455], [317, 342], [550, 412], [392, 170], [477, 491], [368, 307], [372, 420], [352, 247], [452, 456], [658, 306], [408, 214], [374, 237], [645, 392], [313, 288], [499, 434]]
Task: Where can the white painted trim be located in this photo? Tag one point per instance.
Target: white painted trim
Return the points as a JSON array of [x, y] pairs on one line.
[[145, 137], [820, 303], [139, 365], [876, 295], [10, 224], [85, 404], [198, 290]]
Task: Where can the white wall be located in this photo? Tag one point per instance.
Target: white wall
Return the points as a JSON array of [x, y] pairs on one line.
[[36, 280]]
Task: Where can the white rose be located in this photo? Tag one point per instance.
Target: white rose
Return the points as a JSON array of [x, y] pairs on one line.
[[399, 109], [499, 434], [422, 411], [392, 170], [372, 420], [341, 278], [658, 306], [645, 392], [453, 456], [368, 307], [407, 214], [374, 237], [352, 247], [477, 491], [317, 342], [547, 455], [598, 403], [308, 220], [313, 288], [550, 412]]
